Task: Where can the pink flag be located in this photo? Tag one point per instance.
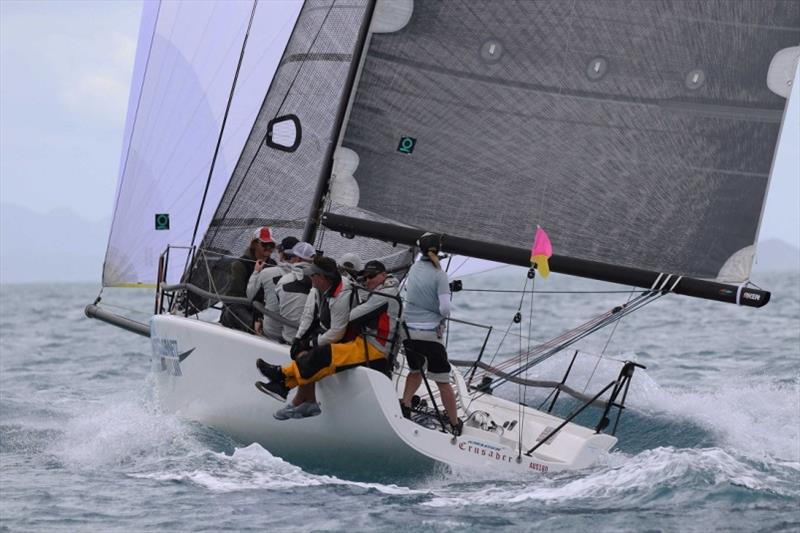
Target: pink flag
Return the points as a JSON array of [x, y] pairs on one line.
[[541, 251]]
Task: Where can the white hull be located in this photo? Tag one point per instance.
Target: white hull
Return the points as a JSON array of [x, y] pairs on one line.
[[361, 423]]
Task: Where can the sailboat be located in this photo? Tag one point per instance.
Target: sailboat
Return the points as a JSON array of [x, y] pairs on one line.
[[641, 135]]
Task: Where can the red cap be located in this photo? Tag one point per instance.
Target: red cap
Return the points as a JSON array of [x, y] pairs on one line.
[[263, 234]]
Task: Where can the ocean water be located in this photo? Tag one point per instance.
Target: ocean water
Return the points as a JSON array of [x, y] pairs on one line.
[[710, 440]]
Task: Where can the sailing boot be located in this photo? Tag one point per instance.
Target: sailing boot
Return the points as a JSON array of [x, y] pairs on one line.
[[406, 410], [271, 372], [307, 409], [276, 389], [284, 413], [457, 428]]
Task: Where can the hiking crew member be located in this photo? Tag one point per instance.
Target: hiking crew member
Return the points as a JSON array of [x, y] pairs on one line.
[[293, 288], [376, 319], [264, 280], [427, 306], [239, 316], [350, 265], [325, 317]]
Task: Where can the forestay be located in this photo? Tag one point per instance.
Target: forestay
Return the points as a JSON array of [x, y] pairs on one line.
[[185, 67], [640, 137]]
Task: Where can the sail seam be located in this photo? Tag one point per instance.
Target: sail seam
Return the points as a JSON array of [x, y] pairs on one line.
[[319, 56]]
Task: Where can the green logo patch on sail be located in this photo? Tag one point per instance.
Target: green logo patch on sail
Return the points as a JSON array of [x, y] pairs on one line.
[[162, 221], [406, 145]]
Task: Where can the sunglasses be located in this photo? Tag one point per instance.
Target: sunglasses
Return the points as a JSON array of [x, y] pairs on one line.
[[267, 244], [371, 275]]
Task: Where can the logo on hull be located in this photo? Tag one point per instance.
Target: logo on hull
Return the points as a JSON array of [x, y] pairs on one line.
[[166, 356]]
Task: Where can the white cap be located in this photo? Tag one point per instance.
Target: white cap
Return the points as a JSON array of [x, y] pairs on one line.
[[303, 250], [351, 261]]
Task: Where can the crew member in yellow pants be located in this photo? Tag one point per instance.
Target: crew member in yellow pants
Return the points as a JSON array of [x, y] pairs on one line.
[[376, 318], [323, 361]]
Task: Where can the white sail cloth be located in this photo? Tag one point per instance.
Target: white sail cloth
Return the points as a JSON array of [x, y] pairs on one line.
[[186, 61]]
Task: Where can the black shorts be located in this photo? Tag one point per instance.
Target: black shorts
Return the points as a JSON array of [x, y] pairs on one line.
[[417, 352]]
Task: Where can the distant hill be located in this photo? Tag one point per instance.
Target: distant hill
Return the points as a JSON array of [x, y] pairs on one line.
[[58, 246], [775, 255]]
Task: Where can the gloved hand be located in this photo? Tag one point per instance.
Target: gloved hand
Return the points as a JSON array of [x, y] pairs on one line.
[[297, 347]]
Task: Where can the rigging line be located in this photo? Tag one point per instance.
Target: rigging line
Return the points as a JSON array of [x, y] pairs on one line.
[[575, 338], [564, 336], [262, 142], [520, 389], [559, 292], [588, 325], [605, 347], [611, 319], [130, 139], [500, 344], [99, 295], [527, 357], [222, 127]]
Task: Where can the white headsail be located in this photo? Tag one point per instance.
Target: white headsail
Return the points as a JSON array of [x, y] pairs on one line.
[[185, 67]]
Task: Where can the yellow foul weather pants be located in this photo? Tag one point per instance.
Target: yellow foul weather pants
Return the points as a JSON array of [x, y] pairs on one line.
[[323, 361]]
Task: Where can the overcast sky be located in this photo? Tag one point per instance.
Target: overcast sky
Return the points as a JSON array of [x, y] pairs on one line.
[[65, 70]]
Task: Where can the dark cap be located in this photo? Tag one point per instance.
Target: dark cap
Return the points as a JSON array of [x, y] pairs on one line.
[[373, 267], [287, 244], [323, 266], [429, 241]]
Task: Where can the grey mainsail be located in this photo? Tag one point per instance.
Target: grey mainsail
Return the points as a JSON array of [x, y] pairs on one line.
[[638, 134]]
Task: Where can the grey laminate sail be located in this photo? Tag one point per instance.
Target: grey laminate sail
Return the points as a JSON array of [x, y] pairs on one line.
[[637, 133]]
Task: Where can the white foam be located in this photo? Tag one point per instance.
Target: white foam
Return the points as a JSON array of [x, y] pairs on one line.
[[628, 480], [756, 418], [253, 467], [118, 430]]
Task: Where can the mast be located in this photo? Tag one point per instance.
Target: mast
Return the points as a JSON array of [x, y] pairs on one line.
[[636, 277], [310, 229]]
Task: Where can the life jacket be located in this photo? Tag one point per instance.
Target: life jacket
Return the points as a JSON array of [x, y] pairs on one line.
[[324, 311]]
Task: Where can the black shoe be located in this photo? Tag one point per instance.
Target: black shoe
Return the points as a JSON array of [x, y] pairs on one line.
[[458, 428], [405, 410], [271, 372], [276, 389]]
